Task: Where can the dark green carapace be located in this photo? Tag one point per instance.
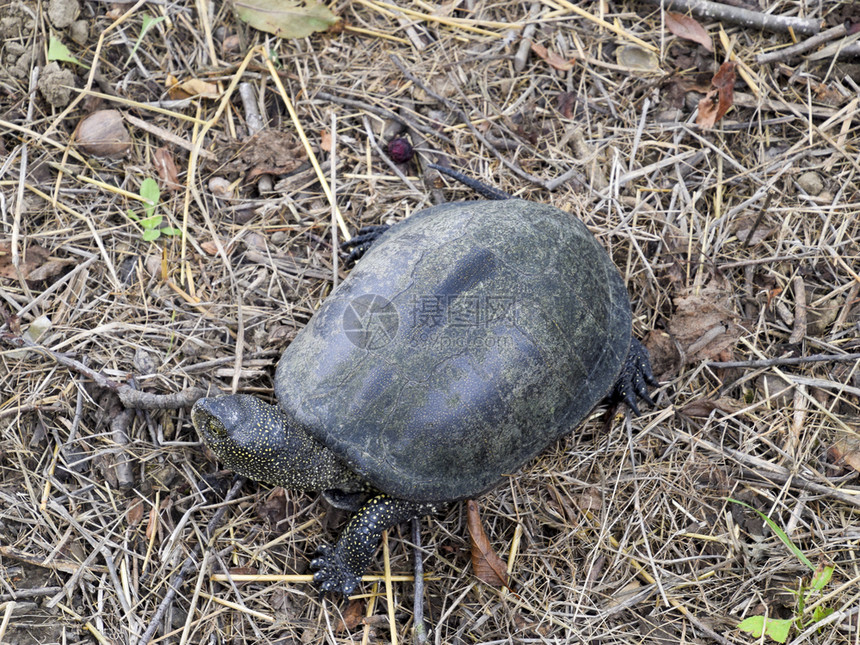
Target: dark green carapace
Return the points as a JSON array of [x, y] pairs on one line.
[[467, 339]]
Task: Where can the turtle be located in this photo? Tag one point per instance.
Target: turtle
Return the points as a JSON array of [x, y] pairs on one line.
[[467, 338]]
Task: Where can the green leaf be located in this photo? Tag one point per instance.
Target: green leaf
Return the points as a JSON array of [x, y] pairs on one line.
[[753, 625], [149, 191], [778, 629], [780, 534], [133, 215], [286, 18], [821, 578], [58, 51], [151, 234], [147, 21], [169, 230], [152, 222], [820, 613]]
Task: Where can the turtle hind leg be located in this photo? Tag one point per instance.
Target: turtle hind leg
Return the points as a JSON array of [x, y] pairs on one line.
[[363, 240], [635, 377], [339, 569]]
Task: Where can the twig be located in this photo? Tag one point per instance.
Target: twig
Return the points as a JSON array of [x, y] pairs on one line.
[[384, 112], [465, 119], [759, 218], [418, 626], [522, 55], [255, 125], [23, 594], [768, 471], [799, 330], [189, 564], [796, 360], [805, 45], [742, 17], [129, 397]]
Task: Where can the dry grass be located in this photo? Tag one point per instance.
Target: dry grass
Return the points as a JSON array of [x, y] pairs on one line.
[[623, 532]]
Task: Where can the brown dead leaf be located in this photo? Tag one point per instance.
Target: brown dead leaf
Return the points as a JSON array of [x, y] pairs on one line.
[[134, 513], [166, 169], [193, 87], [352, 616], [48, 270], [552, 59], [488, 566], [687, 27], [590, 499], [325, 140], [665, 358], [567, 104], [32, 258], [274, 508], [718, 100], [704, 324], [750, 230], [846, 451], [269, 152], [704, 407]]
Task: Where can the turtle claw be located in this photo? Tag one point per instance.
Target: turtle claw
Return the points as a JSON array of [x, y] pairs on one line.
[[635, 377], [332, 574], [362, 241]]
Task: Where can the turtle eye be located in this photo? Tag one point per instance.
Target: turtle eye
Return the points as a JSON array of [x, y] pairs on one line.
[[215, 427], [207, 424]]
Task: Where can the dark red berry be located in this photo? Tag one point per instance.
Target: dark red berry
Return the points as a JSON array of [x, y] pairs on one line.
[[400, 150]]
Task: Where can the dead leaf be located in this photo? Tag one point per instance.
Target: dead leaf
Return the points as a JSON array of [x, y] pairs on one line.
[[286, 18], [566, 104], [845, 451], [166, 169], [590, 499], [704, 324], [488, 566], [178, 90], [704, 407], [269, 152], [134, 513], [274, 509], [553, 59], [48, 270], [352, 616], [33, 257], [718, 100], [665, 357], [637, 59], [688, 28], [325, 140]]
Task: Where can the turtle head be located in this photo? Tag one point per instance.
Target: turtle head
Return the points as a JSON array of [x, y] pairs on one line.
[[244, 432], [257, 440]]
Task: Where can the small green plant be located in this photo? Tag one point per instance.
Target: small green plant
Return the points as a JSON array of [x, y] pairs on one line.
[[147, 22], [779, 628], [151, 222], [58, 51]]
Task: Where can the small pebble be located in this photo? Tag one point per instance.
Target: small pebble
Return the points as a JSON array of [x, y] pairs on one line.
[[811, 182]]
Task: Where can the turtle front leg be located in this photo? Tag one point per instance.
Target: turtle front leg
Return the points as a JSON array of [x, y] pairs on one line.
[[339, 569], [635, 377]]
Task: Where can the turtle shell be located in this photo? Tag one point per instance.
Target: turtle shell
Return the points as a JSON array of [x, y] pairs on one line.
[[468, 338]]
